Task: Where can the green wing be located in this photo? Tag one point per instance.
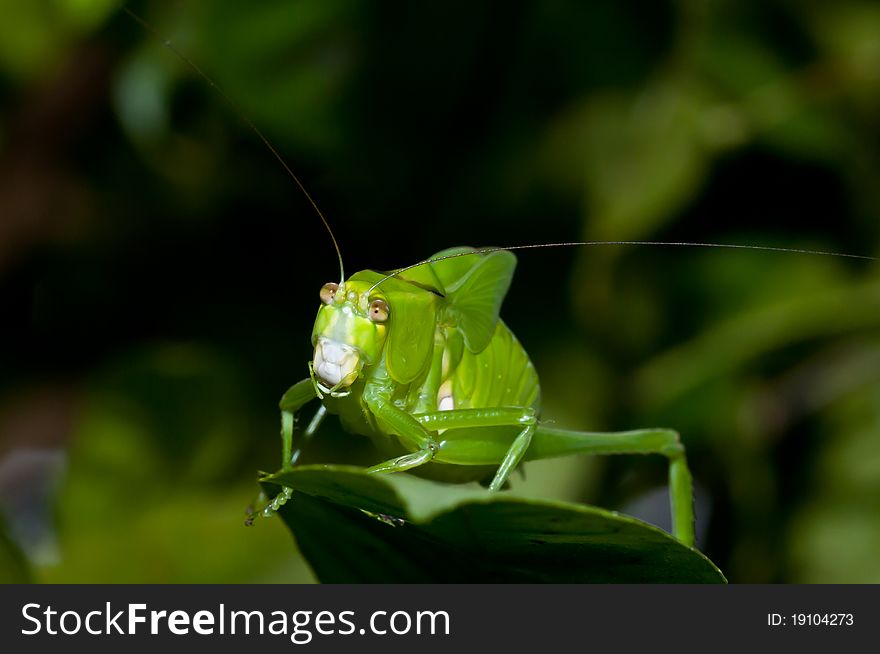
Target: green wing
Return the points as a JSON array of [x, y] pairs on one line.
[[451, 271], [441, 274], [411, 333], [475, 295]]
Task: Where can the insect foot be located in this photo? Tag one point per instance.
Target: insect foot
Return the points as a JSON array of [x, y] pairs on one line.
[[271, 508], [391, 520]]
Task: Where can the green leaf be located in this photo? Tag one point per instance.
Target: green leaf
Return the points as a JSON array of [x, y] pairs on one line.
[[356, 527]]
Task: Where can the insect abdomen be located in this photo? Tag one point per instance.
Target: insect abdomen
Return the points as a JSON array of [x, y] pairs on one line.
[[499, 375]]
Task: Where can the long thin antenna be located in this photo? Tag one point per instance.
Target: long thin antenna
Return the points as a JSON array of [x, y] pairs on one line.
[[247, 121], [685, 244]]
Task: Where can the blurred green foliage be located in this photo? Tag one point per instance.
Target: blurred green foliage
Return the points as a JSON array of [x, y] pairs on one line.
[[159, 274]]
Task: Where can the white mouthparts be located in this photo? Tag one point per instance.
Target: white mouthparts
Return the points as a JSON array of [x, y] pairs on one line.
[[336, 363]]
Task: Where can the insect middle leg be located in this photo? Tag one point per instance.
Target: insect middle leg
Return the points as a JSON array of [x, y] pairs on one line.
[[490, 417], [413, 435], [415, 430]]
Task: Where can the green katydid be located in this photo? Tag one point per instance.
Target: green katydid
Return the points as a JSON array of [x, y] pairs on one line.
[[419, 361]]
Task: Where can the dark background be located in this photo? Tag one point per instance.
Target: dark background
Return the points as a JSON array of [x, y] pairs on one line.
[[159, 272]]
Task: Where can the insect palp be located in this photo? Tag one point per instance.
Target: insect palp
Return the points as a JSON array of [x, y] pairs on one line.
[[322, 389]]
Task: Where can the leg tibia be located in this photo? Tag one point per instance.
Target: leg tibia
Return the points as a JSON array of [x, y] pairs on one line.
[[405, 462], [513, 457], [550, 442]]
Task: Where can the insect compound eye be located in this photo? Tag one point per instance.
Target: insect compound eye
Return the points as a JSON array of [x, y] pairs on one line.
[[328, 292], [379, 311]]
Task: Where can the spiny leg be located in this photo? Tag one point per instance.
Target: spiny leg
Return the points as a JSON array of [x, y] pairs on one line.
[[415, 432], [291, 402], [316, 421], [410, 433], [550, 442], [471, 418], [267, 507], [405, 462], [514, 455], [543, 442], [296, 397], [681, 496], [490, 417], [287, 423]]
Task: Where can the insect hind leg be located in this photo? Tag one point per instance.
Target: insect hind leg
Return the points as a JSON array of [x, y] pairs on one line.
[[552, 442]]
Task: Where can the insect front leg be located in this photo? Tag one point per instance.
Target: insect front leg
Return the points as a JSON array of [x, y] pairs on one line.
[[296, 397], [291, 402], [315, 422]]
